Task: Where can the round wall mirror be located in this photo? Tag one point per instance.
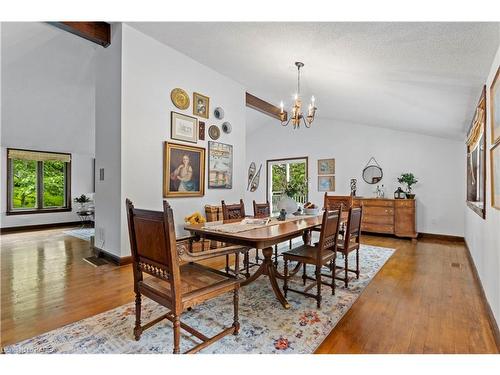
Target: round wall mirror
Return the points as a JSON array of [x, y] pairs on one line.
[[372, 174]]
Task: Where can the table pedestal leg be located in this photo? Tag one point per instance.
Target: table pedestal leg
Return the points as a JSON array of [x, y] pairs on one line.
[[267, 268]]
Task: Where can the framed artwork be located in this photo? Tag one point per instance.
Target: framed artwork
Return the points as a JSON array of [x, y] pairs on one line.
[[183, 171], [183, 128], [326, 183], [201, 129], [220, 165], [495, 108], [495, 176], [326, 167], [201, 105]]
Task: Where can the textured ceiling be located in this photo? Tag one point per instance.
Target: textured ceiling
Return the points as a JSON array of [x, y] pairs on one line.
[[421, 77]]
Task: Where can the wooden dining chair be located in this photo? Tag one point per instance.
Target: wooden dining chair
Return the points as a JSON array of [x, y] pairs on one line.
[[264, 210], [318, 255], [175, 281], [350, 242], [335, 202]]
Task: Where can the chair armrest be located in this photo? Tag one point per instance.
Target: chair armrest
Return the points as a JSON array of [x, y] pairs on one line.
[[188, 256]]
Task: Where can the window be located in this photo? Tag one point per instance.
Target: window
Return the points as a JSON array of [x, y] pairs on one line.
[[38, 181], [281, 172]]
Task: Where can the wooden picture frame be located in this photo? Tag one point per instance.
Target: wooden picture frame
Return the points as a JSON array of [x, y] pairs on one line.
[[326, 167], [201, 105], [495, 176], [183, 128], [181, 177], [220, 165], [326, 183], [495, 108]]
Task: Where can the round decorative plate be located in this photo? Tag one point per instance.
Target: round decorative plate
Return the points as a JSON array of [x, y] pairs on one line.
[[219, 113], [214, 132], [226, 127], [180, 98]]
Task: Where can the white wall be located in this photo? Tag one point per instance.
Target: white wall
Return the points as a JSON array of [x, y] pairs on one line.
[[47, 104], [483, 236], [150, 70], [437, 163]]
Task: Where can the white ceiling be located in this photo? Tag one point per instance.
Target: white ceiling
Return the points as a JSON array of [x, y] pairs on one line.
[[421, 77]]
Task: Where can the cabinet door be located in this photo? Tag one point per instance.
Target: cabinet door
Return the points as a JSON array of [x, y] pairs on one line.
[[404, 224]]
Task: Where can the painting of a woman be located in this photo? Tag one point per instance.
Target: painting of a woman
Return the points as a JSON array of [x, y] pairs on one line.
[[182, 175], [184, 171]]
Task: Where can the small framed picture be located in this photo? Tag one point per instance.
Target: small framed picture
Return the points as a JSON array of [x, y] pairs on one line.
[[183, 128], [220, 165], [201, 105], [495, 176], [326, 167], [326, 183], [495, 108], [201, 128]]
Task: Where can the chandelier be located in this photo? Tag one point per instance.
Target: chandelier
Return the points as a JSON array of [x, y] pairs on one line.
[[296, 115]]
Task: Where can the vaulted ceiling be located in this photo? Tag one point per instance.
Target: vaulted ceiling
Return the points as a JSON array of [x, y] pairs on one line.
[[420, 77]]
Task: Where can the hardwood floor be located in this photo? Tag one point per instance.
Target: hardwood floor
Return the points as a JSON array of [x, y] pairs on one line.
[[424, 300]]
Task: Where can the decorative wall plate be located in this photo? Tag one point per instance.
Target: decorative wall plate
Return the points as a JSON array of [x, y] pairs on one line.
[[219, 113], [226, 127], [180, 98], [214, 132]]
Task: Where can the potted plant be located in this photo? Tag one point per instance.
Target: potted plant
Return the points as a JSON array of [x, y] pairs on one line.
[[408, 179], [291, 190], [82, 200]]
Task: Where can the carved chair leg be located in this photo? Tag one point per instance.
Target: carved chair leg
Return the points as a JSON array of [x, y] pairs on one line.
[[275, 255], [357, 263], [227, 264], [247, 264], [346, 265], [290, 245], [177, 334], [318, 285], [236, 322], [333, 275], [304, 276], [137, 328], [285, 275]]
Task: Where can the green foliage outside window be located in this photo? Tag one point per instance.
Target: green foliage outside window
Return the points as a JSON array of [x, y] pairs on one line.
[[24, 183]]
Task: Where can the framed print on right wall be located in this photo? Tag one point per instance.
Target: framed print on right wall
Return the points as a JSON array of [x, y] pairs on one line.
[[495, 108], [495, 176]]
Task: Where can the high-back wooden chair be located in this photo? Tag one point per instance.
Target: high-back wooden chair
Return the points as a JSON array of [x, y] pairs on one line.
[[350, 242], [173, 279], [335, 202], [233, 211], [319, 255]]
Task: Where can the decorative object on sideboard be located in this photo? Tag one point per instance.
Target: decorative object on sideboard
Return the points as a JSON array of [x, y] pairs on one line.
[[255, 182], [220, 165], [201, 105], [219, 113], [180, 98], [326, 183], [495, 176], [476, 159], [495, 108], [372, 173], [183, 171], [214, 132], [380, 191], [399, 193], [296, 116], [183, 127], [409, 180], [251, 173], [226, 127], [201, 130], [353, 184], [326, 167], [82, 202]]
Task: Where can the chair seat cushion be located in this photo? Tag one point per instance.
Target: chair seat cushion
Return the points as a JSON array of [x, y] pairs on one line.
[[308, 254], [198, 283]]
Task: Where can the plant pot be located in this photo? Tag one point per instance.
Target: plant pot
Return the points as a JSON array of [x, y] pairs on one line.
[[410, 196], [288, 204]]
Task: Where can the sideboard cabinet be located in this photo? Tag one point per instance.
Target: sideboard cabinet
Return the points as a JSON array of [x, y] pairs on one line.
[[388, 216]]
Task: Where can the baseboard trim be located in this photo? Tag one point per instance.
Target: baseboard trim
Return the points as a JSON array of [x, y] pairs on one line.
[[443, 237], [24, 228], [119, 261], [491, 318]]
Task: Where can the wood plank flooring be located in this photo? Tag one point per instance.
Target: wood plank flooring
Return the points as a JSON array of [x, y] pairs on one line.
[[424, 300]]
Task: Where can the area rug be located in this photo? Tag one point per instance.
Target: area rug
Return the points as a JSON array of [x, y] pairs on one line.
[[82, 233], [266, 327]]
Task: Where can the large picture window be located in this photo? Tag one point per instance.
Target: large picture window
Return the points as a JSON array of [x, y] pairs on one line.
[[38, 181]]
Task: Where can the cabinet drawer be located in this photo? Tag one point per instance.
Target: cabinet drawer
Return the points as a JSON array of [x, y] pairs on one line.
[[377, 228], [378, 211], [377, 203], [405, 203], [378, 219]]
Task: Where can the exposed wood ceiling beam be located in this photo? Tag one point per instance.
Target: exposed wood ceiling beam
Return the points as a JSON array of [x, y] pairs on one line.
[[264, 107], [97, 32]]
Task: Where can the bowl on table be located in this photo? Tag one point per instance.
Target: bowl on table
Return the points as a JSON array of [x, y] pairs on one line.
[[311, 211]]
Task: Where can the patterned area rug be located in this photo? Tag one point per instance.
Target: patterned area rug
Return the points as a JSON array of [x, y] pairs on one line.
[[266, 327], [82, 233]]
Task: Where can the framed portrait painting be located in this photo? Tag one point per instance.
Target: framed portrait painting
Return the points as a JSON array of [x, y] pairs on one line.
[[326, 167], [326, 183], [495, 176], [183, 128], [220, 165], [495, 108], [201, 105], [183, 170]]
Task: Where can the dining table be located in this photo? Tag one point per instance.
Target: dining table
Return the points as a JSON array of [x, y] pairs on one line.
[[263, 238]]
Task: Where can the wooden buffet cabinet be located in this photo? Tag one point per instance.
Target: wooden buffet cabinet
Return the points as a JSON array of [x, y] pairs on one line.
[[389, 216]]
